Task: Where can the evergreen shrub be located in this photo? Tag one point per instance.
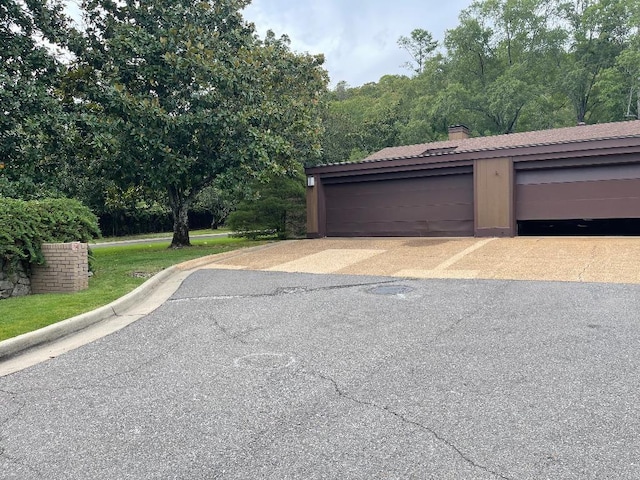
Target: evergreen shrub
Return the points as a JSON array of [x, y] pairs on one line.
[[275, 208], [26, 225]]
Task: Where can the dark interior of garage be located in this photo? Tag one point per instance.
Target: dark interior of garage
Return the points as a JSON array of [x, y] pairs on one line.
[[578, 227]]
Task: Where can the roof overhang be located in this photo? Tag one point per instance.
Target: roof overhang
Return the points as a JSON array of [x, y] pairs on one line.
[[608, 150]]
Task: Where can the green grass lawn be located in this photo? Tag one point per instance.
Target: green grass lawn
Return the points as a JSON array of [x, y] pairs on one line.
[[118, 270]]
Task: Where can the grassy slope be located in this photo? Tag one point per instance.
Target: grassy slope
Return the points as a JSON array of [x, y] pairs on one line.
[[118, 270]]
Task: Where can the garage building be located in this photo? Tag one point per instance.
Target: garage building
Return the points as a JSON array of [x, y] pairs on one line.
[[483, 186]]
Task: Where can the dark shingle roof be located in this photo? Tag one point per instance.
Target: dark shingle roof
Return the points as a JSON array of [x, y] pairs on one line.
[[514, 140]]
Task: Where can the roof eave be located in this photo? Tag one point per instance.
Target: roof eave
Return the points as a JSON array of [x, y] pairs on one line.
[[572, 148]]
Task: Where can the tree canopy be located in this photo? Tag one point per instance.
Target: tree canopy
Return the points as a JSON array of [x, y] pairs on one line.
[[167, 105], [420, 45], [508, 66], [31, 119], [182, 92]]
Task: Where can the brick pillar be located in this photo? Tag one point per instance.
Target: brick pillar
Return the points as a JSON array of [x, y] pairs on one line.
[[66, 269]]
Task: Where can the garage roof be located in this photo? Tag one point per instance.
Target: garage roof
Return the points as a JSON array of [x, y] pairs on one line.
[[581, 133]]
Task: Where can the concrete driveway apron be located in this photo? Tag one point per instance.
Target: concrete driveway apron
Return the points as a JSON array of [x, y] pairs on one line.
[[254, 372]]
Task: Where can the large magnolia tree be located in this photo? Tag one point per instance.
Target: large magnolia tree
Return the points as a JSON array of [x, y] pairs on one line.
[[32, 125], [182, 91]]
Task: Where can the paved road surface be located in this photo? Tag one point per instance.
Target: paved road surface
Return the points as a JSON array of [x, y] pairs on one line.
[[250, 374], [155, 240]]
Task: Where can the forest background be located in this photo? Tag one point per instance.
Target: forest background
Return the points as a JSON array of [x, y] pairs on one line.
[[156, 111]]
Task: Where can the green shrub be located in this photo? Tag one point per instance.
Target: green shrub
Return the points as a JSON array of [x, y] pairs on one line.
[[276, 208], [26, 225]]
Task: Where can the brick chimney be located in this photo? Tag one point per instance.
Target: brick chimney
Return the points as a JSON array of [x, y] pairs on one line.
[[458, 132]]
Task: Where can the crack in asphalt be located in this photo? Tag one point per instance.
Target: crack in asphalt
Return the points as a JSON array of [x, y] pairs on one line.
[[294, 290], [588, 264], [149, 361], [236, 336], [101, 382], [3, 451], [21, 404], [454, 325], [285, 291], [463, 318], [23, 464], [408, 421]]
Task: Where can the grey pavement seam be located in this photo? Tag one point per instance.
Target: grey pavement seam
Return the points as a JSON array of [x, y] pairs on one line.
[[383, 408], [27, 466], [588, 264], [100, 382], [20, 403], [286, 291], [235, 336], [455, 325]]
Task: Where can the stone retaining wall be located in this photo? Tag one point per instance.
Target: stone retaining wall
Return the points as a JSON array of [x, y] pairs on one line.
[[66, 270], [13, 282]]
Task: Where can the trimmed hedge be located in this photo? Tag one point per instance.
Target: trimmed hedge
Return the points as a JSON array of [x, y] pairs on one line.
[[26, 225]]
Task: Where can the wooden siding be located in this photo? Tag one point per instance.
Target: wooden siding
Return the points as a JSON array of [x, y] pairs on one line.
[[312, 211], [493, 182], [579, 193], [425, 206]]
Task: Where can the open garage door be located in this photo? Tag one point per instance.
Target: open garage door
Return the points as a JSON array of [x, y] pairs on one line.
[[611, 191], [439, 205]]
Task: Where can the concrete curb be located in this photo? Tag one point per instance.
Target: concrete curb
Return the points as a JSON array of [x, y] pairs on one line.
[[60, 329], [123, 306]]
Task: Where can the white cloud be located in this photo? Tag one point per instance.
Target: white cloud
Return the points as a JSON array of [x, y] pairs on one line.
[[358, 37]]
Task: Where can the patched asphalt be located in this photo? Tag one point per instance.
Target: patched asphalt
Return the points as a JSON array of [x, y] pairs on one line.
[[266, 374]]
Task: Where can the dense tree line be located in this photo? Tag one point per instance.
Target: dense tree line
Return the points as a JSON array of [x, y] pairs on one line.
[[510, 65], [150, 103], [158, 108]]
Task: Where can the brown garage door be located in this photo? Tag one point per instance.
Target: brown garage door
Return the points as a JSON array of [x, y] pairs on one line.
[[425, 206], [579, 193]]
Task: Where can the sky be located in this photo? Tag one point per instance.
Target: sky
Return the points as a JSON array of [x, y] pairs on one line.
[[358, 37]]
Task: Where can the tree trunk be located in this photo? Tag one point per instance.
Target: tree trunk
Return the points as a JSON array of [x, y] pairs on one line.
[[179, 209]]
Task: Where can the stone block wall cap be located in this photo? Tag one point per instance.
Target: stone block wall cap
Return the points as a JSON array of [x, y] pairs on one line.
[[64, 243]]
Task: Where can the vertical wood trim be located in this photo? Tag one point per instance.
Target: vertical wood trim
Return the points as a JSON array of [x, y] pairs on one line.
[[322, 208], [494, 197], [312, 211]]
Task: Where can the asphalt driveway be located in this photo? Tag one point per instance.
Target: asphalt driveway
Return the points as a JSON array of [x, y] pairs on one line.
[[267, 374]]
